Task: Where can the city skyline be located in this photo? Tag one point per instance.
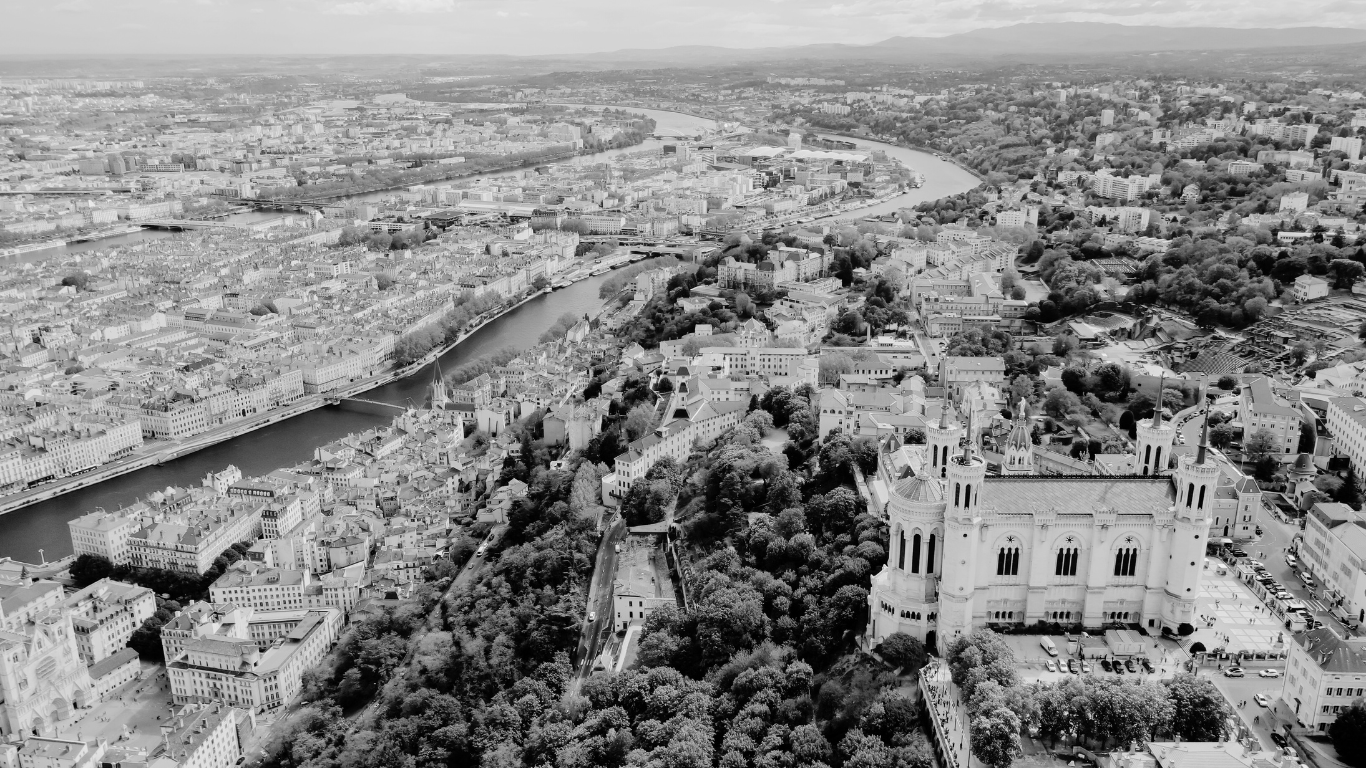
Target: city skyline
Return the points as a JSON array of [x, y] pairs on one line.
[[532, 27]]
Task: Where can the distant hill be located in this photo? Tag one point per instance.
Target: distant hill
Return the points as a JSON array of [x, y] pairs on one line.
[[1088, 37], [1035, 43], [1061, 38]]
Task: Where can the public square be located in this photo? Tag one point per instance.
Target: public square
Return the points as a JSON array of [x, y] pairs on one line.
[[1231, 618], [129, 718]]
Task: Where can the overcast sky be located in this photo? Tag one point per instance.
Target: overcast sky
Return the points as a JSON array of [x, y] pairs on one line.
[[577, 26]]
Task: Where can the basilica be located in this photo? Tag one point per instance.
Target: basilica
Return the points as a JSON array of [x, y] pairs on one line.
[[969, 550]]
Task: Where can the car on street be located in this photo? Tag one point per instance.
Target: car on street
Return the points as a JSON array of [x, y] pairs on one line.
[[1119, 667], [1072, 666], [1307, 578], [1238, 552], [1261, 700], [1085, 668], [1269, 673], [1235, 672], [1148, 665], [1048, 647], [1131, 665], [592, 616], [1278, 739], [1105, 664], [1291, 561], [1050, 665]]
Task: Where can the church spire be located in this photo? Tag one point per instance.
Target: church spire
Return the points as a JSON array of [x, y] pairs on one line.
[[1202, 454], [1157, 411], [971, 440], [439, 397]]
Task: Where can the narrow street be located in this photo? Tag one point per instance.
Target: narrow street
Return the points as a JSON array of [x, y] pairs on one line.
[[596, 633]]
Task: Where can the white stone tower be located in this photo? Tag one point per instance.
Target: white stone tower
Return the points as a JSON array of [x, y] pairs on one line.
[[1019, 453], [1196, 481], [943, 441], [962, 522], [1154, 442]]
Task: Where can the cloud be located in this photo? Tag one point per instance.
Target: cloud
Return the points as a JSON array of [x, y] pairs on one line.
[[372, 7]]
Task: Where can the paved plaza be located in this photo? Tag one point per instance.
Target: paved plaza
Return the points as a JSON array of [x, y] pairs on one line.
[[1234, 619], [129, 718]]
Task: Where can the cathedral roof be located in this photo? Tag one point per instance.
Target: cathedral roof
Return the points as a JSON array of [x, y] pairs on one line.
[[917, 488], [1077, 495]]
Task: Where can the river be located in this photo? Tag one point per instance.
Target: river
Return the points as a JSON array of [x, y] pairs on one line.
[[43, 526]]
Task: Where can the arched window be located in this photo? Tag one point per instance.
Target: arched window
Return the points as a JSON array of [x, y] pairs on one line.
[[967, 497], [1157, 460], [901, 547], [1190, 494], [1126, 558], [1201, 504], [929, 556], [1147, 455], [1008, 558], [957, 494], [915, 553], [1068, 557]]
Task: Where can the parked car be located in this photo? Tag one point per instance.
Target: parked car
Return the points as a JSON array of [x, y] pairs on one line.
[[1050, 665], [1235, 672], [1307, 578], [1269, 673], [1049, 648], [1259, 530], [1105, 664], [592, 616], [1131, 665], [1119, 667], [1148, 665], [1085, 667], [1237, 552], [1278, 739], [1261, 700], [1072, 666]]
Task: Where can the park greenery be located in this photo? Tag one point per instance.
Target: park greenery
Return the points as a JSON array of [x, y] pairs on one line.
[[468, 310], [1096, 712]]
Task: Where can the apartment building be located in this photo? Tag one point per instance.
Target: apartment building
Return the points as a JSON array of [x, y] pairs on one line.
[[190, 546], [1347, 424], [103, 534], [235, 671], [781, 362], [642, 581], [690, 419], [1334, 550], [260, 587], [1261, 407], [955, 373], [1323, 676], [1308, 288], [206, 736], [105, 614]]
